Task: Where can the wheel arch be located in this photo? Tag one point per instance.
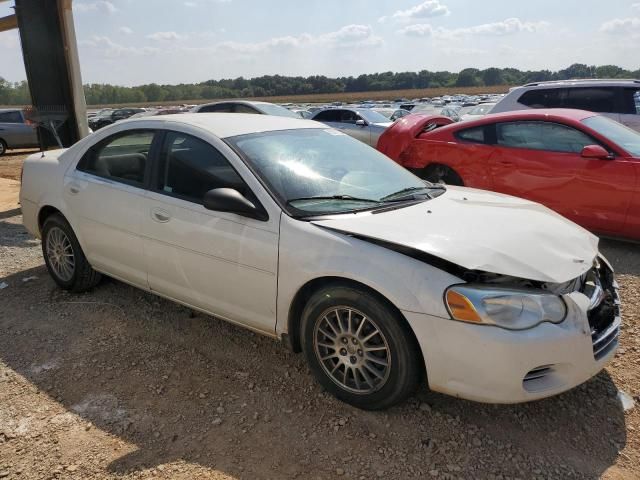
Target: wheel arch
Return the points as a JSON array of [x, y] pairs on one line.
[[305, 292], [45, 212], [430, 166]]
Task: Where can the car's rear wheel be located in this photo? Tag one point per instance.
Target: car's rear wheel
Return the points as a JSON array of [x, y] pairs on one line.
[[3, 147], [442, 174], [64, 257], [358, 348]]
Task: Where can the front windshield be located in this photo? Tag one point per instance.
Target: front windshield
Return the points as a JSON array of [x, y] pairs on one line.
[[322, 171], [616, 132], [372, 116], [272, 109]]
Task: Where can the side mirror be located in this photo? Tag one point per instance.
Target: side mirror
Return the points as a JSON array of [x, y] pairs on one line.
[[232, 201], [361, 123], [596, 152]]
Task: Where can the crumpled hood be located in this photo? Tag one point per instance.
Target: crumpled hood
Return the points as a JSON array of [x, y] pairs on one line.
[[484, 231]]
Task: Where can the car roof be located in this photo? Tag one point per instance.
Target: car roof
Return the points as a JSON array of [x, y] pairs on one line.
[[541, 113], [553, 114], [224, 125], [612, 82], [243, 102]]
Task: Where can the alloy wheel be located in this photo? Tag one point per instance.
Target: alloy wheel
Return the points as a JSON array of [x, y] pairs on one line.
[[60, 254], [352, 350]]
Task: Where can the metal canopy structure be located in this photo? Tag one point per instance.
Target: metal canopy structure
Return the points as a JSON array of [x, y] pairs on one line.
[[50, 54]]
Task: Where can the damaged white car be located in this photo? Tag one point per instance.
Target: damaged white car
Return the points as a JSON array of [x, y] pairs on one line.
[[304, 234]]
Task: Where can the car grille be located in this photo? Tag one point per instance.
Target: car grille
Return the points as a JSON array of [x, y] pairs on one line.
[[604, 311]]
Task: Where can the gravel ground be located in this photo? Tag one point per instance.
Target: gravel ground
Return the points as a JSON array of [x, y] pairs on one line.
[[118, 383]]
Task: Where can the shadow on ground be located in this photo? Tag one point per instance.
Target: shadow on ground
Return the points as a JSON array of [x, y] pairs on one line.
[[192, 388]]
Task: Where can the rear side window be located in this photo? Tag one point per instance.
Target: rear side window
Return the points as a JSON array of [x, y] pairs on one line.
[[221, 107], [542, 98], [631, 101], [473, 135], [329, 116], [122, 157], [240, 108], [542, 136], [10, 117], [592, 99], [190, 167]]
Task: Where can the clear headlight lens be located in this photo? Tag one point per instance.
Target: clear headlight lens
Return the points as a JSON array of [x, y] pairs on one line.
[[506, 308]]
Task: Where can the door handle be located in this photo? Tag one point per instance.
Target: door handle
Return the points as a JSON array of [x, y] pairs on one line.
[[74, 188], [160, 215]]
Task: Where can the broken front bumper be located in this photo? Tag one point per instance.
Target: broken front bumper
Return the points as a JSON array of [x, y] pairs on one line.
[[494, 365]]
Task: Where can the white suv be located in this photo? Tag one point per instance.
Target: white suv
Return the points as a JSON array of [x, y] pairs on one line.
[[617, 99]]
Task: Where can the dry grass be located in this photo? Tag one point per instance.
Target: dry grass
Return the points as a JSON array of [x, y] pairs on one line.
[[339, 97], [330, 97]]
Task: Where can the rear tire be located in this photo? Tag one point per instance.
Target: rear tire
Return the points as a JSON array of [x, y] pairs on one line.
[[441, 174], [64, 257], [3, 147], [349, 359]]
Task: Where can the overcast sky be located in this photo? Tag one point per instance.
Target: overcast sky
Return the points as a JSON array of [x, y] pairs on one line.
[[131, 42]]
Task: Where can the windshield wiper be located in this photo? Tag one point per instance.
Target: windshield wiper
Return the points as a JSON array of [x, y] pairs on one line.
[[333, 197], [407, 193]]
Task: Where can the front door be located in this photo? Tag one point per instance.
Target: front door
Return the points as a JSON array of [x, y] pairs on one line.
[[220, 262], [541, 161]]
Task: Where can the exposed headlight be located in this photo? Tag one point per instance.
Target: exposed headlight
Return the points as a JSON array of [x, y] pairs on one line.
[[506, 308]]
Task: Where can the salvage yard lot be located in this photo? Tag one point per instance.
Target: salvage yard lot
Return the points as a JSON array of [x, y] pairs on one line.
[[118, 383]]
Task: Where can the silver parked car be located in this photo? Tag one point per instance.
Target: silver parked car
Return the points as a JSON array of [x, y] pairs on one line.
[[616, 99], [16, 131], [360, 123], [245, 106]]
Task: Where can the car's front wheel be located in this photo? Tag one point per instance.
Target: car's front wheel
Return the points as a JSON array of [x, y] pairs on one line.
[[3, 147], [359, 348], [64, 257], [442, 174]]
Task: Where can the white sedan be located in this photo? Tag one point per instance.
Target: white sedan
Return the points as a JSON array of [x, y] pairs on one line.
[[304, 234]]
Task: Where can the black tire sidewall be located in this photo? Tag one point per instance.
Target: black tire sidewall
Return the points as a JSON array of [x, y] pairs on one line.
[[450, 177], [3, 147], [405, 369], [59, 222]]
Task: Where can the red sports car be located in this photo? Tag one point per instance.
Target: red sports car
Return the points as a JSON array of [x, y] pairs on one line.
[[580, 164]]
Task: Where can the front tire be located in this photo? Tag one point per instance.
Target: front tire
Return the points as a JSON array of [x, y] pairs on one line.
[[442, 174], [358, 348], [3, 147], [64, 257]]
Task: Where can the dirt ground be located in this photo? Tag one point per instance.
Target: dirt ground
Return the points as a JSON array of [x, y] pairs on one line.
[[118, 383]]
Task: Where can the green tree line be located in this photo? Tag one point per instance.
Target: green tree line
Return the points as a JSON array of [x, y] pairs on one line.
[[274, 85]]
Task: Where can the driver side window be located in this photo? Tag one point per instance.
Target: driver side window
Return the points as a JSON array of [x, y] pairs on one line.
[[190, 167], [349, 117], [548, 136]]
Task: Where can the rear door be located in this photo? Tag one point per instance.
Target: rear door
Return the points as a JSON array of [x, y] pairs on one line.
[[105, 194], [542, 161]]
